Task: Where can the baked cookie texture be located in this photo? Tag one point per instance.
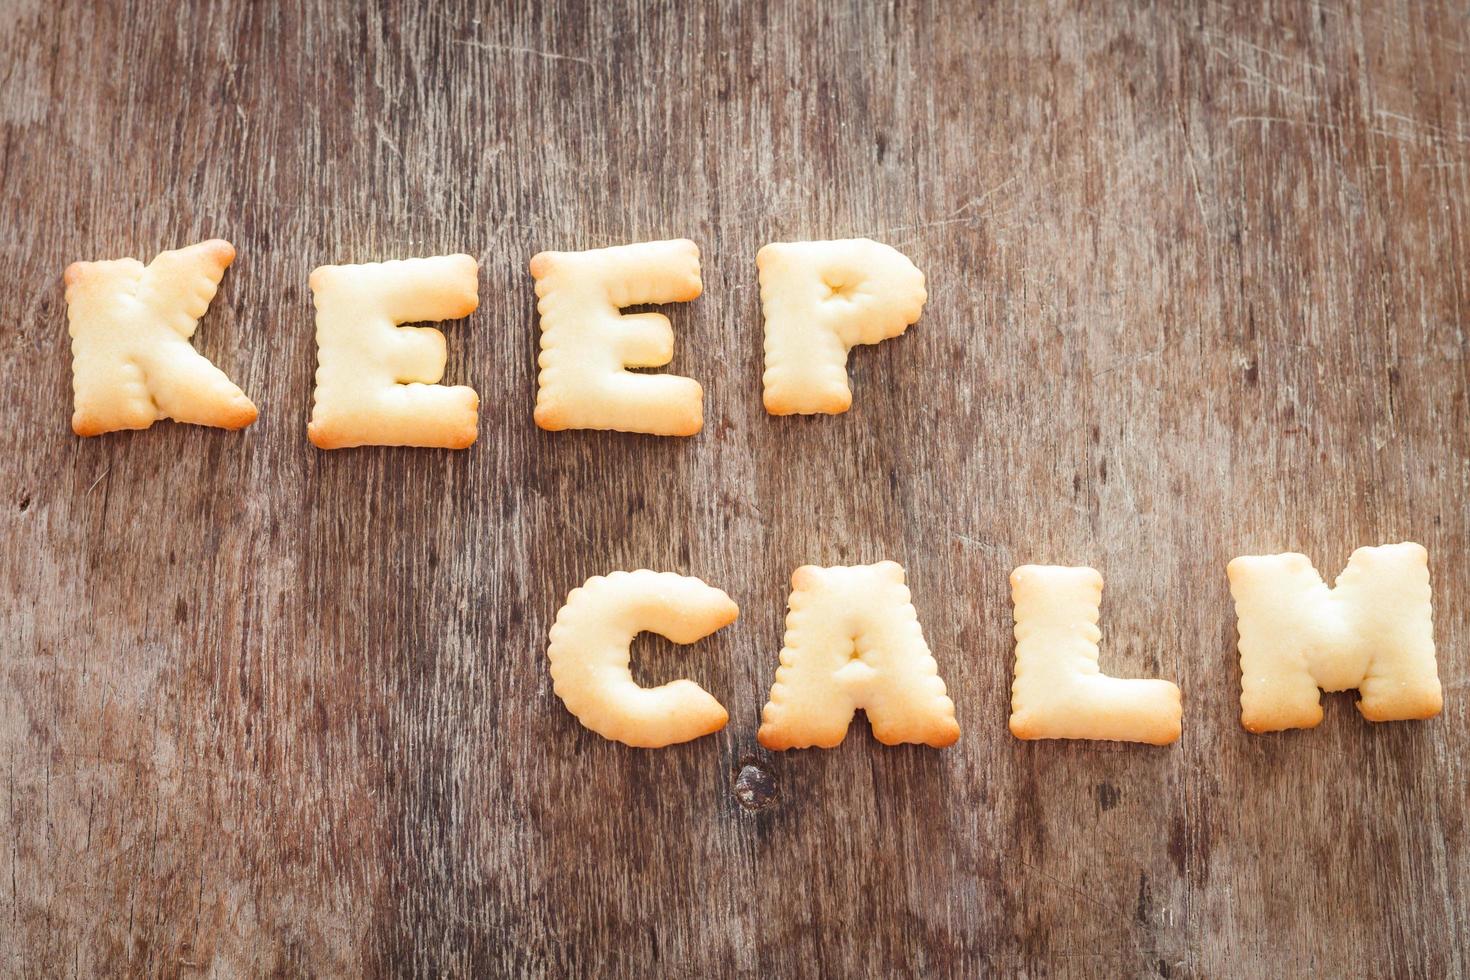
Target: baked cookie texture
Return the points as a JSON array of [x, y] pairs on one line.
[[1373, 631], [376, 381], [1059, 690], [853, 641], [130, 324], [588, 343], [820, 300], [589, 656]]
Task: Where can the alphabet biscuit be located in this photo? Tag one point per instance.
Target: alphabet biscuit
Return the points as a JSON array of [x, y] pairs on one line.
[[377, 382], [820, 300], [130, 324], [588, 343], [589, 656], [1059, 691], [1374, 631], [853, 641]]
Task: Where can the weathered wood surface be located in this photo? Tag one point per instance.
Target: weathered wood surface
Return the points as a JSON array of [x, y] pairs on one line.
[[1198, 288]]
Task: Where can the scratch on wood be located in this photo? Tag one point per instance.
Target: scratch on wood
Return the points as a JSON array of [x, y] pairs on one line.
[[530, 52]]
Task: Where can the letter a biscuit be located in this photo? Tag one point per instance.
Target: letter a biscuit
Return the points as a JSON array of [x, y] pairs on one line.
[[853, 641]]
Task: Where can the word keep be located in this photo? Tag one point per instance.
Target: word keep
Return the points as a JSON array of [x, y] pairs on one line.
[[377, 381]]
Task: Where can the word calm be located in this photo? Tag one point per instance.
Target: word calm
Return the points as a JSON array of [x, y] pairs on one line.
[[853, 640]]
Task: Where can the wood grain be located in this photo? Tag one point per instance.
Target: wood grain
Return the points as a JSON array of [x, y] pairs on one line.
[[1198, 284]]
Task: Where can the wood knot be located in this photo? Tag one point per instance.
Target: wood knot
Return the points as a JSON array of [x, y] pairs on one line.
[[755, 786]]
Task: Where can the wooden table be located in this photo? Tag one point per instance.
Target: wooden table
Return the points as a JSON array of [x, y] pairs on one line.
[[1198, 288]]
